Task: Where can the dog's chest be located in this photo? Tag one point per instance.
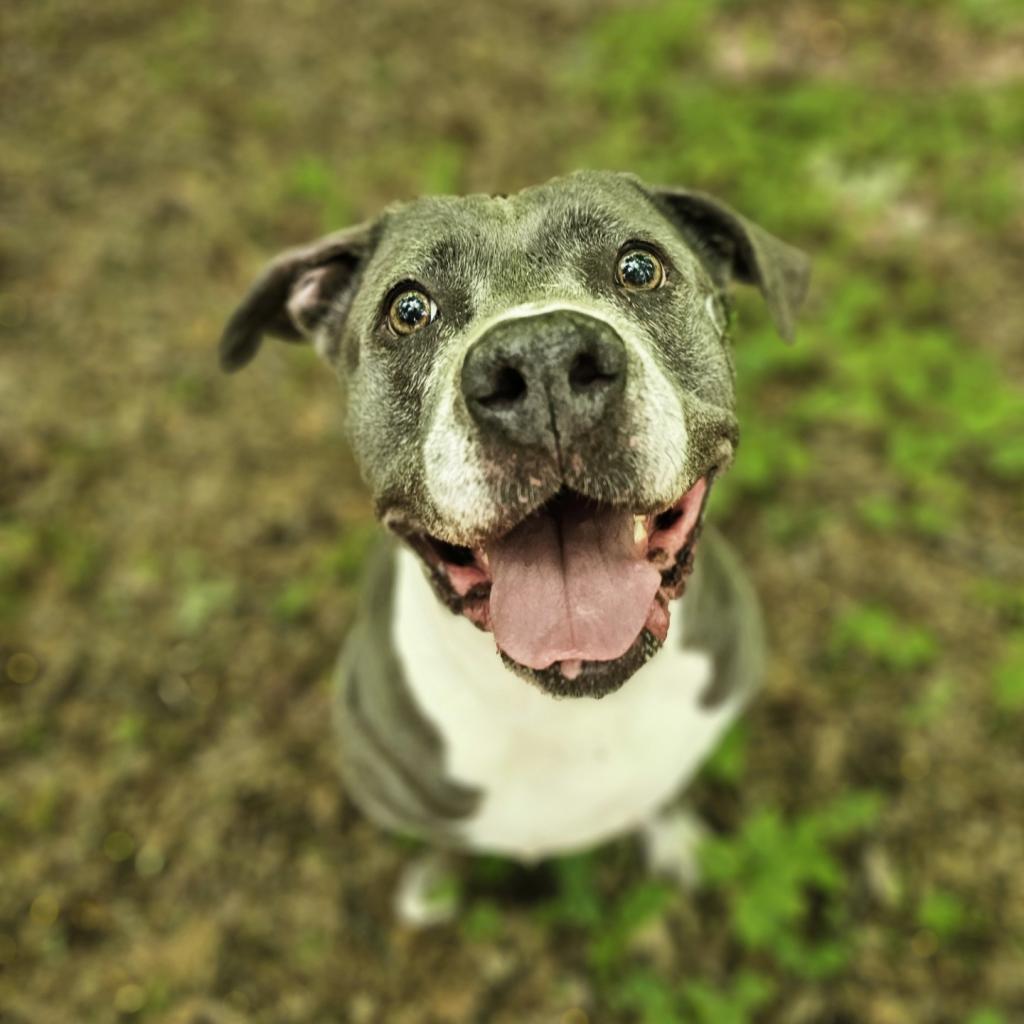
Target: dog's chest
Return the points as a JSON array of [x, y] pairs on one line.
[[555, 775]]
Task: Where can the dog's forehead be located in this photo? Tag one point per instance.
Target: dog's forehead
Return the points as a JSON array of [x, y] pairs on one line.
[[543, 223]]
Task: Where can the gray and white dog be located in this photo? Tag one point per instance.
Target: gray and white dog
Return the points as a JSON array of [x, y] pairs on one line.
[[539, 395]]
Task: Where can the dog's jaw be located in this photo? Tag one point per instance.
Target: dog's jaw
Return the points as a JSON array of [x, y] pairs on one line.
[[665, 542]]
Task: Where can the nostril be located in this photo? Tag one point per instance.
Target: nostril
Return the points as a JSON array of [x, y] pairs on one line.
[[585, 373], [509, 388]]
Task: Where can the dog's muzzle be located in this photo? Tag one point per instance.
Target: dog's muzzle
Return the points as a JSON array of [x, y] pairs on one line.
[[545, 380]]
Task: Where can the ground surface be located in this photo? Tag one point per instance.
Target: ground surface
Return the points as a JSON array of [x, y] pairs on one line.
[[178, 550]]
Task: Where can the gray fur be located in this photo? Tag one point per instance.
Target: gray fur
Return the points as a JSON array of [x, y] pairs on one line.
[[721, 616], [391, 756]]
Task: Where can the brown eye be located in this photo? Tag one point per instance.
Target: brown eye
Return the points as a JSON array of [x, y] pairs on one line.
[[639, 270], [410, 310]]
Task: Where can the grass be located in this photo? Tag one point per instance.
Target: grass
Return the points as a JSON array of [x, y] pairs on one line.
[[782, 885]]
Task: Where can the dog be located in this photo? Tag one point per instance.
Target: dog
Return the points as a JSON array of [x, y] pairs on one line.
[[540, 397]]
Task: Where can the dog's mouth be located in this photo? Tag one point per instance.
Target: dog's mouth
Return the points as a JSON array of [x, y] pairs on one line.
[[577, 594]]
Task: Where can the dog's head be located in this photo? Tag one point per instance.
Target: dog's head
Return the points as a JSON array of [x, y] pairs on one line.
[[540, 393]]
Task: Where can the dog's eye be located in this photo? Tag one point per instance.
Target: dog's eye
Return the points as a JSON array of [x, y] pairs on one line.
[[639, 270], [410, 310]]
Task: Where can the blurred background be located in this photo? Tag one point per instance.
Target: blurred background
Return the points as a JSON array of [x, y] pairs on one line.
[[179, 550]]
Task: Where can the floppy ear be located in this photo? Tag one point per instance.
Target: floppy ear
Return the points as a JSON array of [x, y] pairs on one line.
[[733, 248], [294, 293]]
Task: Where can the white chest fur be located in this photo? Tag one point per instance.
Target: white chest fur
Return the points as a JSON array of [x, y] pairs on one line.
[[556, 774]]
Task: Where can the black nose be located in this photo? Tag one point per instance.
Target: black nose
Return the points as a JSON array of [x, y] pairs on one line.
[[553, 376]]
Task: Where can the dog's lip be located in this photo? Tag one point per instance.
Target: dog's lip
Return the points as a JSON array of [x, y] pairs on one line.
[[444, 536], [462, 578], [588, 678]]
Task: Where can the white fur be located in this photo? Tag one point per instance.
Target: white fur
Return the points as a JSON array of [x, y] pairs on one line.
[[556, 774], [672, 846], [427, 894], [712, 309], [455, 476]]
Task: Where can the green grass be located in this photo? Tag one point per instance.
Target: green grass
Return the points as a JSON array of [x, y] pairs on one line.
[[943, 913], [1009, 674], [768, 871], [880, 638], [780, 882]]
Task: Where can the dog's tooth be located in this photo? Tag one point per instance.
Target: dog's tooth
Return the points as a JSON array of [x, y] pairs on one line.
[[481, 557], [639, 529]]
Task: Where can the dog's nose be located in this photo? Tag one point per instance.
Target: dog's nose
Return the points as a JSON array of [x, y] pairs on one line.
[[533, 379]]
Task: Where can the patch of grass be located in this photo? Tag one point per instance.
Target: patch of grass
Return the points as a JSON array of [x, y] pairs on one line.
[[34, 735], [607, 927], [640, 903], [943, 913], [441, 169], [201, 594], [785, 894], [735, 1004], [625, 56], [340, 563], [1006, 599], [193, 391], [578, 901], [312, 949], [313, 180], [987, 1015], [78, 555], [482, 922], [879, 636], [991, 15], [41, 812], [935, 701], [201, 599], [646, 995], [345, 560], [729, 760], [129, 730], [19, 544], [297, 599], [1008, 678], [652, 999], [784, 885]]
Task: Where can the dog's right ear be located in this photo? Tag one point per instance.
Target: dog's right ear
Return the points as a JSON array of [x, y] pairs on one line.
[[292, 295]]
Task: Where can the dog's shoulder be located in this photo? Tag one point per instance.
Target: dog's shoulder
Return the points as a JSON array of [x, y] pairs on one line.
[[723, 617], [392, 755]]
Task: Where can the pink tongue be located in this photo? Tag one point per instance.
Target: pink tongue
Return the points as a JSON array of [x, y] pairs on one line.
[[570, 584]]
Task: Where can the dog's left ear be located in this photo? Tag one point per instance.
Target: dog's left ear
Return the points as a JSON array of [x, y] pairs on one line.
[[292, 295], [733, 248]]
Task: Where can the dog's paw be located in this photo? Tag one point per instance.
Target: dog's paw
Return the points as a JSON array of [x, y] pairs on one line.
[[671, 843], [428, 891]]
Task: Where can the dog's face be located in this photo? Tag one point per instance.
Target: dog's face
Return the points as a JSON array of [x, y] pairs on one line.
[[540, 393]]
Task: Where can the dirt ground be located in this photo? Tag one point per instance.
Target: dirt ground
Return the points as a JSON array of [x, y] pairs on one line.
[[179, 550]]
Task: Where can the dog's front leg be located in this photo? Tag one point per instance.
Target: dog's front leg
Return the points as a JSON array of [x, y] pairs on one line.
[[671, 843], [429, 890]]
